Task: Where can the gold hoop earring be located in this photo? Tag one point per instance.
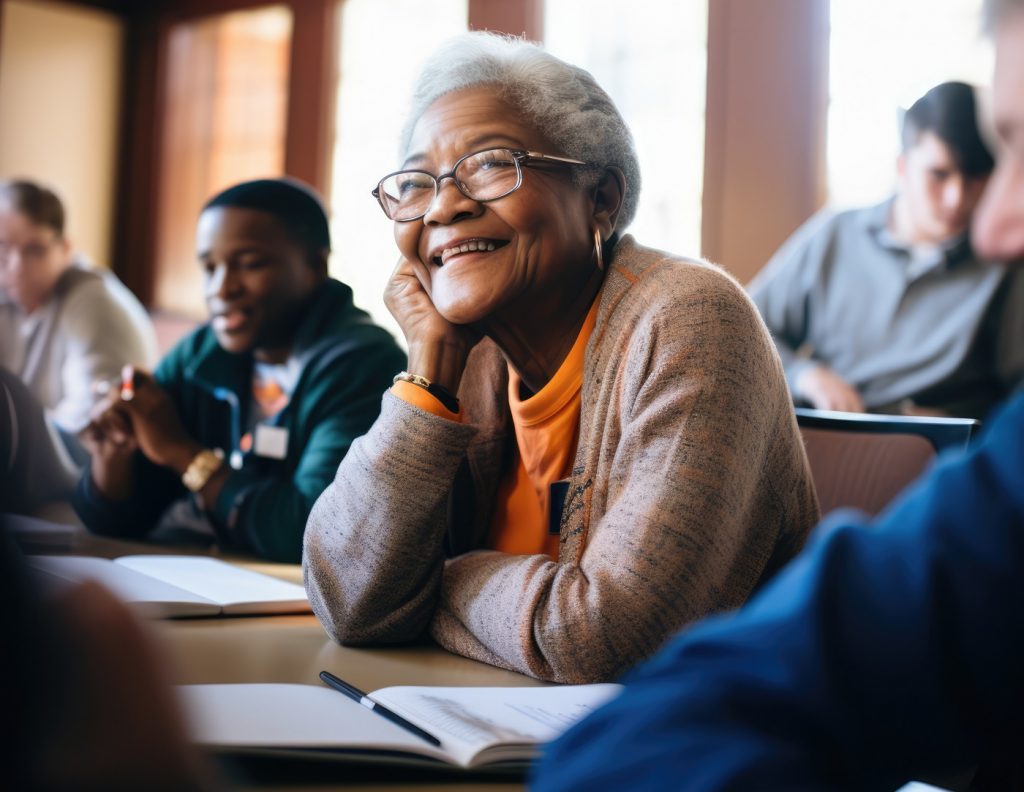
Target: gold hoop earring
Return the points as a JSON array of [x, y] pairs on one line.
[[599, 249]]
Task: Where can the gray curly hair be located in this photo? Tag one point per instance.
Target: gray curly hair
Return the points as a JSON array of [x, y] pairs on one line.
[[562, 101]]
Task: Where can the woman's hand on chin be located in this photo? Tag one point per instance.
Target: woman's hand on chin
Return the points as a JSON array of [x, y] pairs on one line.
[[438, 349]]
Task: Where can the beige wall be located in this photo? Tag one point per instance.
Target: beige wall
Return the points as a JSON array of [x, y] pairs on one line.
[[59, 110]]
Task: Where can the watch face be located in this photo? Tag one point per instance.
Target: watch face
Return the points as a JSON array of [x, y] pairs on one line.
[[204, 465]]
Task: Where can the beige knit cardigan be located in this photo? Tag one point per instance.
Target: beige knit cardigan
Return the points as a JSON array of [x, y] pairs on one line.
[[689, 487]]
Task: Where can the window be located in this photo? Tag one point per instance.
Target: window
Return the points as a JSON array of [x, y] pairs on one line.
[[377, 73], [227, 91], [884, 56], [651, 58]]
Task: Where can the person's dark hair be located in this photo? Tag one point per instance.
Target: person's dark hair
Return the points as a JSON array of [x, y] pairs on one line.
[[39, 204], [296, 205], [949, 112]]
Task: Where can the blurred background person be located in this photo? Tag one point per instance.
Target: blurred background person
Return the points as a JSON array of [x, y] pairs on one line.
[[888, 308], [65, 327], [244, 422]]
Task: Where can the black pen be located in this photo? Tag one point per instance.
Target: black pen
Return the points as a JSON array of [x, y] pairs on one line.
[[356, 694]]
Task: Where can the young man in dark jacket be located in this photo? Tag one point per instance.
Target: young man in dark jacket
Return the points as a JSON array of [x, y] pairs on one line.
[[243, 424]]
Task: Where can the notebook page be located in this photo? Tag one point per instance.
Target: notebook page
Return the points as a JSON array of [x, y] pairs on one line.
[[237, 590], [281, 716], [153, 597], [485, 724]]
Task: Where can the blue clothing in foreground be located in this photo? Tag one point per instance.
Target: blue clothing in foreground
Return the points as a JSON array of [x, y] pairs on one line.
[[880, 654]]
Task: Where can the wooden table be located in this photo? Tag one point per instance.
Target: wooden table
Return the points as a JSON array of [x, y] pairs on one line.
[[295, 649]]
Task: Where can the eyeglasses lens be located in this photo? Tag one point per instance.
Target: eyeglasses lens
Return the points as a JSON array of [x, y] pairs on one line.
[[483, 176]]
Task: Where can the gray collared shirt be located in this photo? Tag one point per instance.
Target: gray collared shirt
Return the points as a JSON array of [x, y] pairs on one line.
[[943, 328], [88, 328]]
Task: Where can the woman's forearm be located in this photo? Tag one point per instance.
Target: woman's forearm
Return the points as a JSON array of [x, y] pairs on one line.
[[373, 547], [441, 363]]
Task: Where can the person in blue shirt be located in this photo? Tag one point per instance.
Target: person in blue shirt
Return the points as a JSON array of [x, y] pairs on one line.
[[886, 651]]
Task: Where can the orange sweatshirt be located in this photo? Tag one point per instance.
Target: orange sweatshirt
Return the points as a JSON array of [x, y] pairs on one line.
[[547, 432]]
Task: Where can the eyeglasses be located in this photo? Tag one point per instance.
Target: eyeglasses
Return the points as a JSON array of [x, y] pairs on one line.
[[33, 251], [481, 176]]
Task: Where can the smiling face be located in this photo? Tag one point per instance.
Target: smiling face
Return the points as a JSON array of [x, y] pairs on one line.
[[257, 280], [497, 261], [940, 198]]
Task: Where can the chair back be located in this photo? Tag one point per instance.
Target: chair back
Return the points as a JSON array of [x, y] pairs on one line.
[[864, 461]]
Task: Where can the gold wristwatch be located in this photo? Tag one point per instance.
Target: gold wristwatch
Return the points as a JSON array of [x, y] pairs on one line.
[[201, 468]]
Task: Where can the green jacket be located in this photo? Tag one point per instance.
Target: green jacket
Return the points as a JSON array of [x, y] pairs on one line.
[[347, 364]]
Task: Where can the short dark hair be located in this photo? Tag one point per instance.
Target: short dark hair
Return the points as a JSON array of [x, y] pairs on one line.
[[949, 112], [39, 204], [295, 204]]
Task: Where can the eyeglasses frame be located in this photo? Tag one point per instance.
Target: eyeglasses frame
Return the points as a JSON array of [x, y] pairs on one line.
[[521, 158]]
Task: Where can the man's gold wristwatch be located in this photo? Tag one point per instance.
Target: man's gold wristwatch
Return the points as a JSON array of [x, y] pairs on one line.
[[201, 468]]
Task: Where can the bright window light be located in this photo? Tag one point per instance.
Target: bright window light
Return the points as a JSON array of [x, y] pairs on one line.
[[652, 59], [377, 70]]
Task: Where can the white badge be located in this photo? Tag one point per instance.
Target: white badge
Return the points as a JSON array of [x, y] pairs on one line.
[[270, 441]]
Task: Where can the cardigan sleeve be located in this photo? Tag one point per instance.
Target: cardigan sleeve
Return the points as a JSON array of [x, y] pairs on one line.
[[373, 546], [885, 652], [683, 520]]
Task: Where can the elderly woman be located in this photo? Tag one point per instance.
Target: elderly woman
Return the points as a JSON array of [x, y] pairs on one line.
[[594, 442]]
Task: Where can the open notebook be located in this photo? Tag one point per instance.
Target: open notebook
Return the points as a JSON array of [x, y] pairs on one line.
[[38, 536], [477, 727], [169, 585]]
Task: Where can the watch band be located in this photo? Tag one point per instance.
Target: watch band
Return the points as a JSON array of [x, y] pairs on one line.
[[201, 468], [439, 392]]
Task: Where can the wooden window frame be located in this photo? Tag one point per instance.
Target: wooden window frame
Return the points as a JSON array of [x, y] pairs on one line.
[[308, 127], [765, 114], [767, 96], [765, 167], [517, 17]]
